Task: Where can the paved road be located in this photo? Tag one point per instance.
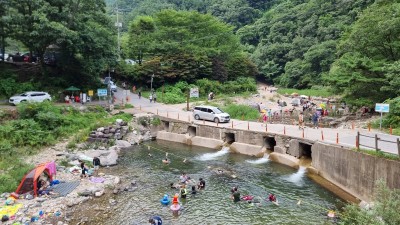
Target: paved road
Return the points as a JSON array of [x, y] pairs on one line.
[[342, 137]]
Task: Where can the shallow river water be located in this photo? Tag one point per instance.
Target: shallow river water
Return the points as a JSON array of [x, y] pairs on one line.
[[221, 170]]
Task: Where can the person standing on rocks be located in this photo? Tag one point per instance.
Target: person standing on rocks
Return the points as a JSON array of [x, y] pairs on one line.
[[96, 164], [301, 120]]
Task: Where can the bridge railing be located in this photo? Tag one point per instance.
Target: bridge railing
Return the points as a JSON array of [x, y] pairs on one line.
[[366, 140]]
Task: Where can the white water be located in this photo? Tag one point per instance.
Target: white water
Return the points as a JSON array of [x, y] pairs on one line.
[[211, 156], [297, 177], [262, 160]]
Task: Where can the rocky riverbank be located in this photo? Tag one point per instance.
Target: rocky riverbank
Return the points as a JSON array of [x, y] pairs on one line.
[[105, 143]]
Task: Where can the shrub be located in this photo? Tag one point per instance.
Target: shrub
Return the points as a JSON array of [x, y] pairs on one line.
[[239, 111], [156, 121]]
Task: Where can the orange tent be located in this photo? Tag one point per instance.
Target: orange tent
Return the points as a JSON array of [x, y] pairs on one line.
[[30, 180]]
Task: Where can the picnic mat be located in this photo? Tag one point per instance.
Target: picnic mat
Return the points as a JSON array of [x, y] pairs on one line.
[[63, 189], [9, 210]]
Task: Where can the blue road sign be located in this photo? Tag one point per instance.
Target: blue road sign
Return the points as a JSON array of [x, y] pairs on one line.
[[102, 92], [379, 107]]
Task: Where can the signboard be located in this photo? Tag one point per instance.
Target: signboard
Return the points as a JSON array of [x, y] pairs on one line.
[[383, 108], [102, 92], [194, 92], [90, 92]]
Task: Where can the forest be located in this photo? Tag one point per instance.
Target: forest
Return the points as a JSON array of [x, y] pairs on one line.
[[348, 47]]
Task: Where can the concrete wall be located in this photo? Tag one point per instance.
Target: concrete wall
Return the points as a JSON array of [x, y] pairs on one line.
[[247, 149], [353, 171], [168, 136], [206, 142]]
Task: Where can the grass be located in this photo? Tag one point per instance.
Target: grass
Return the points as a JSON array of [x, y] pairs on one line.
[[242, 112], [309, 92], [379, 154]]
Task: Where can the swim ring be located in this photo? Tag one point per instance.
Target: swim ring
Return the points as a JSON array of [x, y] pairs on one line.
[[247, 197], [175, 207], [165, 200]]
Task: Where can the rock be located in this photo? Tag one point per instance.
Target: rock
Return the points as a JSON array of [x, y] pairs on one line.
[[116, 191], [100, 129], [133, 183], [109, 160], [106, 131], [122, 144], [40, 199], [85, 193], [112, 130], [101, 174], [117, 180], [99, 193], [112, 201], [60, 223], [102, 148]]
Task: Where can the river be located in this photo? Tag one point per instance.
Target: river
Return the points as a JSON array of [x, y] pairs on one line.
[[301, 201]]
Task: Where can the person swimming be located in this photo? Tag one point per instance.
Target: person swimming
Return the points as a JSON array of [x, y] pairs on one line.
[[194, 191], [155, 220], [236, 195], [183, 191], [175, 199], [166, 161], [173, 186], [272, 198], [202, 184]]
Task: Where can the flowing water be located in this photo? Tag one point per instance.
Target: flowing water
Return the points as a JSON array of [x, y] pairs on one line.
[[221, 171]]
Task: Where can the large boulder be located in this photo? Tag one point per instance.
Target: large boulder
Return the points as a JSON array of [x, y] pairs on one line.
[[110, 159], [122, 144]]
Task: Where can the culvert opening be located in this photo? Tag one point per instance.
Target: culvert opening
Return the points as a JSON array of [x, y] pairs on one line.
[[166, 125], [192, 131], [269, 143], [305, 150], [229, 138]]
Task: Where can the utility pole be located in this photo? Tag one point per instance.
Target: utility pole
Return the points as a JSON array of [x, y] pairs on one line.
[[118, 24]]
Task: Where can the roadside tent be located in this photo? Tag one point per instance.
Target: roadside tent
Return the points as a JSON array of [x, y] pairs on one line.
[[30, 180]]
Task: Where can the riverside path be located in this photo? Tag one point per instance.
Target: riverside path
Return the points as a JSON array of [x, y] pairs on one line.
[[342, 137]]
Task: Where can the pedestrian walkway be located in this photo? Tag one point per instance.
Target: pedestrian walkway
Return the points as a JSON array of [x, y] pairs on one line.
[[342, 137]]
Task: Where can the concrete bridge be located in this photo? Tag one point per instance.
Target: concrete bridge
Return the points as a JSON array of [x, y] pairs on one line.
[[340, 137]]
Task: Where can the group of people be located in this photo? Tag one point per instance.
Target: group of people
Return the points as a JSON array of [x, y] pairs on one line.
[[85, 172], [235, 196], [185, 180], [153, 97]]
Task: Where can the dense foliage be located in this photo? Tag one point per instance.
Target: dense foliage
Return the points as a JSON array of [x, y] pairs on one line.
[[351, 46], [184, 46], [177, 93], [385, 210], [78, 33]]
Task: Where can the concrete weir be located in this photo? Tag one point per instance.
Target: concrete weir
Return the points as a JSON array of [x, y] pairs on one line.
[[355, 173]]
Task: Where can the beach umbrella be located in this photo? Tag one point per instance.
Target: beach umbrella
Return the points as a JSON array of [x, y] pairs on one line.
[[72, 88]]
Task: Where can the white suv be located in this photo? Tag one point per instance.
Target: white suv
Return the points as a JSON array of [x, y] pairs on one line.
[[30, 96], [210, 113]]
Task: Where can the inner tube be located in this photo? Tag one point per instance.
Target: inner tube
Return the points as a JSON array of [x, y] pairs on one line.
[[165, 200], [247, 197], [175, 207]]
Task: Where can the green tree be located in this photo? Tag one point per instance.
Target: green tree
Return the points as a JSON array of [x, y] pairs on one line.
[[370, 53]]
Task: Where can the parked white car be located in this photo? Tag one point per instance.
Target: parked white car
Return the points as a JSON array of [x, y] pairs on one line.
[[113, 87], [30, 96], [210, 113]]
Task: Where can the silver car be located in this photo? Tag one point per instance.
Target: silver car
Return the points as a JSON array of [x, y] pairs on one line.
[[210, 113], [30, 96]]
